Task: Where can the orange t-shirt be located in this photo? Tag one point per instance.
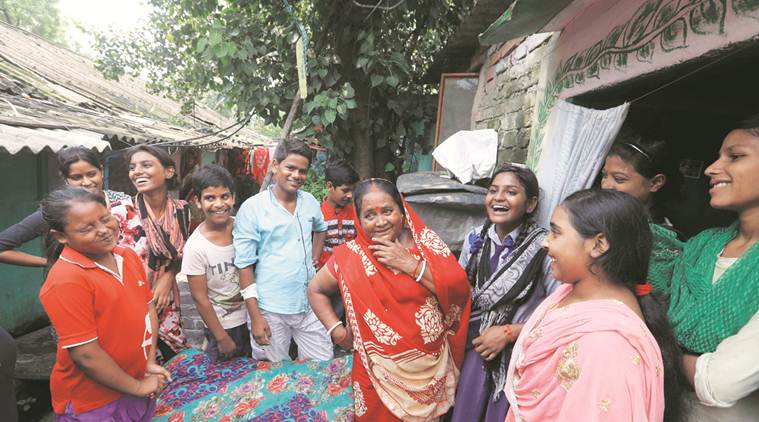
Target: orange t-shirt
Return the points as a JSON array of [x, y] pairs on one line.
[[87, 302]]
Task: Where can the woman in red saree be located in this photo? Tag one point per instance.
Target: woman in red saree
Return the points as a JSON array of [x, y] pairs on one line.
[[407, 305]]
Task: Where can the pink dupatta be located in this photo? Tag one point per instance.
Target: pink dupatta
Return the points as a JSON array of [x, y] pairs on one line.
[[588, 361]]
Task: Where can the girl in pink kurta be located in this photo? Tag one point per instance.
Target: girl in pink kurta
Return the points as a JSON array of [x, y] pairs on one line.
[[599, 348]]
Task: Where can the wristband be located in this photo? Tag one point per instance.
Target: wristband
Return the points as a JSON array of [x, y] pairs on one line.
[[421, 273], [249, 292], [332, 328]]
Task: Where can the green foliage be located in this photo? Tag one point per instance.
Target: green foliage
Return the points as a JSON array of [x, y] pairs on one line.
[[363, 64], [40, 17], [316, 186]]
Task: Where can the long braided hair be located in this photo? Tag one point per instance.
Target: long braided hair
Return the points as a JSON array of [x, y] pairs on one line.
[[532, 190]]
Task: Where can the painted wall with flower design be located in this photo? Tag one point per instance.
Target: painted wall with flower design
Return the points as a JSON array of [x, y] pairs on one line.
[[615, 41]]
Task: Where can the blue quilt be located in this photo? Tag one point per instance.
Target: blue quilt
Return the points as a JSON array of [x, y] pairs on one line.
[[249, 390]]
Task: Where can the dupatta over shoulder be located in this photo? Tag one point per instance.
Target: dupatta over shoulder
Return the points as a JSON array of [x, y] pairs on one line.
[[409, 342]]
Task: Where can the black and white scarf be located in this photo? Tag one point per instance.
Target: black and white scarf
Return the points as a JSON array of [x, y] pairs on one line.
[[499, 294]]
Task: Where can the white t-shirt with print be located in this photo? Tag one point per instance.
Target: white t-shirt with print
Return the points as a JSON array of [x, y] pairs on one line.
[[201, 257]]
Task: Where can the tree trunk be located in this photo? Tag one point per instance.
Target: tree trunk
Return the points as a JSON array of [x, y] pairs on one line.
[[286, 129]]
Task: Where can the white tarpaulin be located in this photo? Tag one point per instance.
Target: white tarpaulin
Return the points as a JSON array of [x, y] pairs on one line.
[[576, 142], [469, 154], [14, 138]]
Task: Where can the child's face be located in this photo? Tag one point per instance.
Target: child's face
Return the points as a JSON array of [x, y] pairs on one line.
[[620, 176], [506, 202], [84, 174], [733, 177], [90, 229], [341, 195], [291, 173], [569, 252], [147, 173], [217, 203]]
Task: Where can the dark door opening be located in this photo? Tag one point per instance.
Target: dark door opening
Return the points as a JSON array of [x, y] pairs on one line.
[[693, 115]]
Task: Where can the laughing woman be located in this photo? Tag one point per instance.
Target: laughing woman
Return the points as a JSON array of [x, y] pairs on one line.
[[157, 231], [406, 304], [714, 291], [507, 268]]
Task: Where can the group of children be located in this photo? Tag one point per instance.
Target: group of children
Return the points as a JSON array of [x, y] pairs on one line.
[[115, 260], [564, 324]]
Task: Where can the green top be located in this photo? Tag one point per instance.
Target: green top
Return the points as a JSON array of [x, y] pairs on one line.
[[703, 313], [664, 253]]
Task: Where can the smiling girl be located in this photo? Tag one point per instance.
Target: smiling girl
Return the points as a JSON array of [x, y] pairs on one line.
[[715, 289], [157, 231], [599, 348], [507, 270], [102, 309], [78, 166], [638, 167]]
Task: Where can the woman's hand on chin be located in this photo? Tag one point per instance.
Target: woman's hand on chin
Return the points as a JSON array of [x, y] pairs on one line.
[[394, 255]]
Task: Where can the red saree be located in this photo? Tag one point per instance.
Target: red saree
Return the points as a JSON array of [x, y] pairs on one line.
[[409, 342]]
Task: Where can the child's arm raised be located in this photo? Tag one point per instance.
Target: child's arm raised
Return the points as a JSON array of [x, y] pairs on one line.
[[199, 291], [91, 359]]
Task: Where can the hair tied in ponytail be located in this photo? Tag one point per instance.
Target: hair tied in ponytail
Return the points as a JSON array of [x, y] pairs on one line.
[[643, 289]]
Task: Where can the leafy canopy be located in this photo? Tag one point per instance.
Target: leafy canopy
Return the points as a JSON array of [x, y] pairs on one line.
[[364, 64]]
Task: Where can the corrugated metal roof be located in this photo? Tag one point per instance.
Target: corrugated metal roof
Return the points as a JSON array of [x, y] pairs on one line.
[[13, 139], [45, 86]]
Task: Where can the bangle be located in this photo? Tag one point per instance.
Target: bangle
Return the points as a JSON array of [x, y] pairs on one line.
[[508, 332], [332, 328], [418, 263], [421, 273]]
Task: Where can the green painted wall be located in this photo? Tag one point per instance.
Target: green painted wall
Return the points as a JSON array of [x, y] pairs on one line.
[[23, 182]]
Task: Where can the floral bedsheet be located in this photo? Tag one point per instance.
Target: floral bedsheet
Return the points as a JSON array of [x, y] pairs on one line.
[[249, 390]]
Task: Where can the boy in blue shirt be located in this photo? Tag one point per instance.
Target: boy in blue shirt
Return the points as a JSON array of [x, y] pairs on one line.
[[276, 257]]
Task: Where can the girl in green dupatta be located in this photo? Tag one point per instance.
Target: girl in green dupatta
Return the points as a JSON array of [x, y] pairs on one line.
[[639, 167], [714, 291]]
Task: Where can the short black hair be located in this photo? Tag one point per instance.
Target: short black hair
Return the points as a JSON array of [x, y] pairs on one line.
[[340, 173], [211, 175], [287, 147]]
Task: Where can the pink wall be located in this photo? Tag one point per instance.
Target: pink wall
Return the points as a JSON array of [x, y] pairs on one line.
[[612, 41]]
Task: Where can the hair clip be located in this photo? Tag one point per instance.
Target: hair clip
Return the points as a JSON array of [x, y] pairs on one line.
[[639, 149]]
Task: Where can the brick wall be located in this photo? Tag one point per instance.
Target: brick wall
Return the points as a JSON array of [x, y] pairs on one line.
[[507, 93], [192, 323]]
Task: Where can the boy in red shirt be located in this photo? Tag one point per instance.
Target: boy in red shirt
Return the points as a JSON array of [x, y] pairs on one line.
[[337, 208]]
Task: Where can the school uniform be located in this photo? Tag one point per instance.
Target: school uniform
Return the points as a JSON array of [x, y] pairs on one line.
[[278, 243], [87, 302]]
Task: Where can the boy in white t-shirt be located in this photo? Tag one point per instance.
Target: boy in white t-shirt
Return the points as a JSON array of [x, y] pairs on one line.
[[208, 263]]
